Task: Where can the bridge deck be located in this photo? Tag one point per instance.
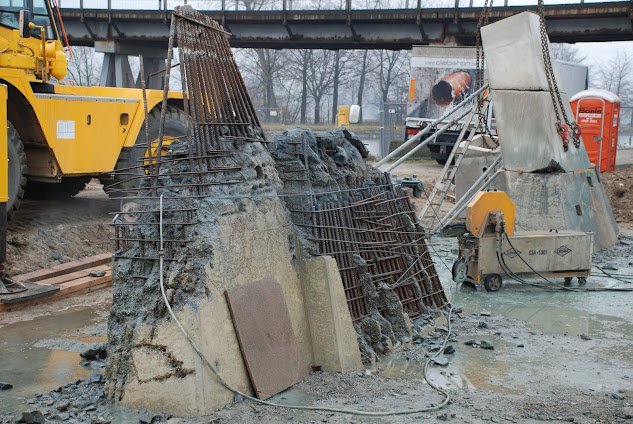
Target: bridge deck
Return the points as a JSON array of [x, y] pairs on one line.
[[355, 29]]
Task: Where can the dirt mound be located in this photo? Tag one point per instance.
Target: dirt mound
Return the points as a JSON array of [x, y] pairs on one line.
[[619, 188], [45, 233]]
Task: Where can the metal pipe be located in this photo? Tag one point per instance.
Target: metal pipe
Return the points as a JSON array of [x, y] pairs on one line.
[[431, 125], [144, 91], [466, 198], [427, 141]]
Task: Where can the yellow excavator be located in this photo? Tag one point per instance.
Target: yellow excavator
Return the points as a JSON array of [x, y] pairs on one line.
[[60, 136]]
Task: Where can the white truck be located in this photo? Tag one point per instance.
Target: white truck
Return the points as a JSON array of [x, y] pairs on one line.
[[442, 76]]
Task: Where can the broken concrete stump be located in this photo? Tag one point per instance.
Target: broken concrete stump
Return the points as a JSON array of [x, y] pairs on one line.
[[154, 367]]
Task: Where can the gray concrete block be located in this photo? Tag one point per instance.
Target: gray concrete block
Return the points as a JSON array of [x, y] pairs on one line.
[[565, 201], [526, 123], [514, 57]]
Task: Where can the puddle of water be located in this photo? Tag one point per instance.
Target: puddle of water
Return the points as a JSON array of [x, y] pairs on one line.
[[469, 369], [31, 369], [601, 315], [604, 313]]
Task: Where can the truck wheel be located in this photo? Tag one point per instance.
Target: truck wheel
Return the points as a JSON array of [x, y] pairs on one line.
[[130, 157], [17, 170], [68, 187], [444, 160]]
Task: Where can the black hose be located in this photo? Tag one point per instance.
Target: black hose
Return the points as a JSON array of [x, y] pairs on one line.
[[560, 287]]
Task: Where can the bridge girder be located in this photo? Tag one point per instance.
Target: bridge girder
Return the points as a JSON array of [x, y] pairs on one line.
[[356, 29]]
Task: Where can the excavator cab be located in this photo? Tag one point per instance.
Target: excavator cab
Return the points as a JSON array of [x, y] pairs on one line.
[[31, 38]]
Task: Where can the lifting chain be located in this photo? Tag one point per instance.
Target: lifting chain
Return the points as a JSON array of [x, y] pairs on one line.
[[482, 126], [567, 129]]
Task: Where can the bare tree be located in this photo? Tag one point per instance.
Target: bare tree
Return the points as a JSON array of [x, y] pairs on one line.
[[567, 53], [391, 67], [84, 68], [616, 75], [335, 84], [260, 67], [320, 78]]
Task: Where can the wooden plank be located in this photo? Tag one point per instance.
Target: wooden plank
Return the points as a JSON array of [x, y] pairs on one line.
[[82, 283], [91, 261], [72, 275], [266, 337], [80, 286]]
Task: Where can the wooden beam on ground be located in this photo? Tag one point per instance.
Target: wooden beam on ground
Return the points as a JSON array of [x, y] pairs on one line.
[[69, 278]]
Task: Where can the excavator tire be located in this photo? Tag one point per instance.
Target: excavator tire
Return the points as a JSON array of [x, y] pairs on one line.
[[17, 170]]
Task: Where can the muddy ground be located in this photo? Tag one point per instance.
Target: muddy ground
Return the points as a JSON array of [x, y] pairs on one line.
[[557, 357]]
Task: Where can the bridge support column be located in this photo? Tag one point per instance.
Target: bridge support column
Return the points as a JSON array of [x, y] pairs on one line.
[[116, 71]]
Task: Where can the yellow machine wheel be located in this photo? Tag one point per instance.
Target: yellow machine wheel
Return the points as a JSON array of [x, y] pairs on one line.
[[17, 170], [129, 163]]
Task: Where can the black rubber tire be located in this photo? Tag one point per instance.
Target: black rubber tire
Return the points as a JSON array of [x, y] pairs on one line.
[[68, 187], [582, 281], [469, 285], [568, 280], [17, 170], [175, 126], [493, 282]]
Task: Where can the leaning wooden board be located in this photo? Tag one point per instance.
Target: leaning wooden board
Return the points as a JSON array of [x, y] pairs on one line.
[[60, 281], [267, 340]]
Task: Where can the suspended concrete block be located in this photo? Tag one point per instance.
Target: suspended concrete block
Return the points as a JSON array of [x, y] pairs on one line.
[[514, 57], [526, 123]]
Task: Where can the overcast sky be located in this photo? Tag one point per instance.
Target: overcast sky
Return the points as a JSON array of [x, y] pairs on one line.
[[598, 53]]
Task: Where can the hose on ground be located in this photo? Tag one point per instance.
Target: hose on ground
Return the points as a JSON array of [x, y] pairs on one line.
[[226, 385]]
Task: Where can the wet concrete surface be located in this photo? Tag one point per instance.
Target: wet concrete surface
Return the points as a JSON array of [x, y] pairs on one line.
[[561, 317], [42, 354], [536, 336]]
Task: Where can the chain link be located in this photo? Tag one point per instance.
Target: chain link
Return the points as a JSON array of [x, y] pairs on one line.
[[557, 101], [482, 126]]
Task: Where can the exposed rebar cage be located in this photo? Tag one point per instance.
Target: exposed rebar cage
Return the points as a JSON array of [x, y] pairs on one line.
[[381, 227], [356, 215], [220, 119]]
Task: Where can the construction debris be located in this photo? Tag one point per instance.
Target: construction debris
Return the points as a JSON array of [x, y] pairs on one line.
[[210, 213], [215, 211], [352, 212]]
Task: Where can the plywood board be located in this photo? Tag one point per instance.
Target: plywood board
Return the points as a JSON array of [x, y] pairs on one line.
[[266, 337]]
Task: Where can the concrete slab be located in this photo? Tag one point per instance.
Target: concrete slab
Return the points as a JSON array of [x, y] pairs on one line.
[[267, 341], [514, 56], [526, 123], [334, 342]]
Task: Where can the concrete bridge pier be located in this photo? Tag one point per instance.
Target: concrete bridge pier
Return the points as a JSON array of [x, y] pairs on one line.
[[116, 71]]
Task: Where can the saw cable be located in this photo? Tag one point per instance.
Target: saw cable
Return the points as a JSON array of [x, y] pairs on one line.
[[559, 287], [194, 345]]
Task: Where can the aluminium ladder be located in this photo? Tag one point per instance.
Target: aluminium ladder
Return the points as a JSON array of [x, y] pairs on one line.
[[446, 181]]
